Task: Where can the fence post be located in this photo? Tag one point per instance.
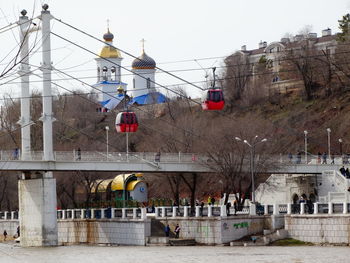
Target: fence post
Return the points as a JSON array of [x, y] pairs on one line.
[[210, 211], [174, 211], [134, 213], [185, 211], [82, 213], [223, 212], [345, 208], [73, 214], [197, 211], [112, 212], [302, 208], [156, 211], [330, 208], [92, 213], [316, 208], [163, 212], [179, 157], [289, 209], [63, 214], [143, 213], [123, 212], [103, 213], [252, 209], [266, 209], [275, 209], [12, 215]]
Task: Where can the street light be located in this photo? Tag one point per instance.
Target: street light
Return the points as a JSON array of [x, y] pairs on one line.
[[305, 138], [252, 153], [340, 146], [329, 141], [107, 129]]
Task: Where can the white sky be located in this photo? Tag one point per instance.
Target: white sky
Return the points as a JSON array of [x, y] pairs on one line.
[[174, 31]]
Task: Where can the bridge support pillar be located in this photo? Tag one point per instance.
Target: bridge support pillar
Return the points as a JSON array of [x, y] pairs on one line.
[[37, 206]]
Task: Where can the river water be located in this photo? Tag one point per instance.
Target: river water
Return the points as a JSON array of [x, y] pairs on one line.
[[126, 254]]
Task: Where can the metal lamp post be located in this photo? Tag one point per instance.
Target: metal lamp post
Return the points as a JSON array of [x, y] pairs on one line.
[[340, 146], [107, 130], [329, 141], [305, 140], [252, 153]]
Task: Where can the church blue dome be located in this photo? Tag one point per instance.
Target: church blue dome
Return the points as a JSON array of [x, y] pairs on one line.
[[143, 62]]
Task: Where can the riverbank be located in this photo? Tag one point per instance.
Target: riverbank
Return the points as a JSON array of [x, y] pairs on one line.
[[206, 254]]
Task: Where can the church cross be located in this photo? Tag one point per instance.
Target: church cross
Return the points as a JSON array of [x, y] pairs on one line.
[[143, 44]]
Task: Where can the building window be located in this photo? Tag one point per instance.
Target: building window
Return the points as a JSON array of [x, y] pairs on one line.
[[113, 73], [104, 73]]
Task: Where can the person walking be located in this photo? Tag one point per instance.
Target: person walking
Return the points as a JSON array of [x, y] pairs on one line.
[[212, 201], [157, 157], [290, 157], [201, 208], [209, 200], [324, 158], [167, 230], [228, 206], [79, 154], [5, 235], [177, 231]]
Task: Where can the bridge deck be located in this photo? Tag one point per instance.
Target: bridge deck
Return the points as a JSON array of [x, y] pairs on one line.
[[142, 162]]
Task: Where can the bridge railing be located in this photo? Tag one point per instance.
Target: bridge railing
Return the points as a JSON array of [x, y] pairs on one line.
[[102, 213], [153, 157]]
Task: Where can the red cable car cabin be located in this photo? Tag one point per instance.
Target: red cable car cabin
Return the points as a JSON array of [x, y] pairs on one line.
[[214, 100], [126, 121]]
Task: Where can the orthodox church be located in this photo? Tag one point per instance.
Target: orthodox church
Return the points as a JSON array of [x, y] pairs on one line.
[[111, 88]]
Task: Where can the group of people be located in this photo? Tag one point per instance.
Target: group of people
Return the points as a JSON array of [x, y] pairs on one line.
[[345, 172], [176, 230], [321, 158], [16, 235]]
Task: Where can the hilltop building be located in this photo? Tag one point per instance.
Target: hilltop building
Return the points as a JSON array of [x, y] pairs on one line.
[[109, 82], [269, 68]]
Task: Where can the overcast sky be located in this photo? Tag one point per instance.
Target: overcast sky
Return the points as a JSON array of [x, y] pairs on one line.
[[174, 31]]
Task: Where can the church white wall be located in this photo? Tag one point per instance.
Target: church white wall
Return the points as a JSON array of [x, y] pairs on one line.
[[140, 83]]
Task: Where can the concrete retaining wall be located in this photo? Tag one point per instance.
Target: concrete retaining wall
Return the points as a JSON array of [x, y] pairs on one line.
[[78, 231], [217, 230], [10, 226], [334, 229], [121, 232]]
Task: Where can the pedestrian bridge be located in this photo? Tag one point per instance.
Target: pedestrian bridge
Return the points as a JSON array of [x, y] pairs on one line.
[[146, 163]]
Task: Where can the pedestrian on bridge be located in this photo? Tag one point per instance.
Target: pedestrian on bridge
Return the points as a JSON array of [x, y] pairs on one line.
[[5, 234], [324, 158], [78, 154], [290, 157], [157, 157]]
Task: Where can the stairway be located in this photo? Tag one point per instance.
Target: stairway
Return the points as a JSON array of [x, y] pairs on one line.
[[182, 242]]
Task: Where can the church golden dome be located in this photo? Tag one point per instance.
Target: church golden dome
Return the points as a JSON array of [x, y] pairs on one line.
[[108, 51]]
